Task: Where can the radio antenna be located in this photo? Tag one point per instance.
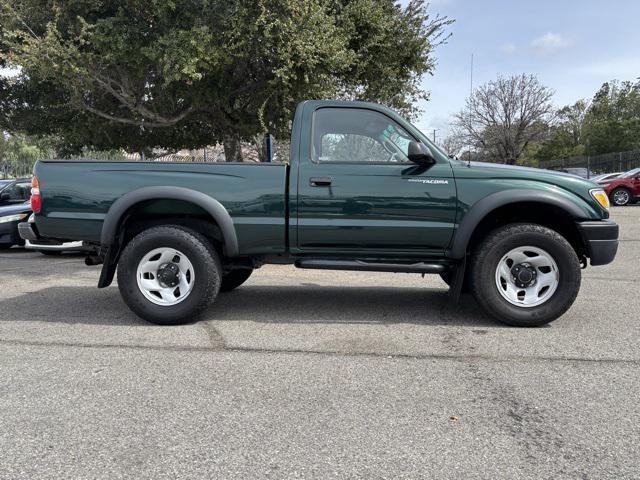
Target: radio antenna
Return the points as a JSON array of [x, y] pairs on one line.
[[470, 104]]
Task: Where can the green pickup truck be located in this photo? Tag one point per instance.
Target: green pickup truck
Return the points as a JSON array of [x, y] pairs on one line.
[[363, 190]]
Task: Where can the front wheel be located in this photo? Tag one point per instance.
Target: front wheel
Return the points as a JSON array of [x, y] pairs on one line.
[[168, 275], [525, 275], [621, 197]]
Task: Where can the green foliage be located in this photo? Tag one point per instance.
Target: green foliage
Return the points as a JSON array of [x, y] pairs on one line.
[[566, 134], [140, 74], [612, 123], [18, 154]]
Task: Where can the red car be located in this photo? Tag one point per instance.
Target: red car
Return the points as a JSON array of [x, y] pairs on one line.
[[625, 189]]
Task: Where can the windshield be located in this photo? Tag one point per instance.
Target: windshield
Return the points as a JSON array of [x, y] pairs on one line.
[[631, 173]]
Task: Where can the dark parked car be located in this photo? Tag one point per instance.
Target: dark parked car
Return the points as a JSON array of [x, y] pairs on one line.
[[14, 192], [625, 189], [10, 217]]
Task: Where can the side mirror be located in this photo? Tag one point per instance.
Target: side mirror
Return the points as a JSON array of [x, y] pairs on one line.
[[419, 153], [5, 196]]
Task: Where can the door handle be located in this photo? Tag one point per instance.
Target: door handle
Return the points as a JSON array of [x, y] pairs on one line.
[[320, 181]]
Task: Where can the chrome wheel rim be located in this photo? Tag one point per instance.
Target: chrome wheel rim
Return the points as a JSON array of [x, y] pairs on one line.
[[621, 197], [527, 276], [165, 276]]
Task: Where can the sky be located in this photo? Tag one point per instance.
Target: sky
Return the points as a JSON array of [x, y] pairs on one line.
[[573, 46]]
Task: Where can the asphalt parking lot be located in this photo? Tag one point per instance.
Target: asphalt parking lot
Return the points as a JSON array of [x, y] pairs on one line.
[[307, 374]]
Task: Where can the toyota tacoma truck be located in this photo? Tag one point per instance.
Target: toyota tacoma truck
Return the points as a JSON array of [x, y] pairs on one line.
[[363, 190]]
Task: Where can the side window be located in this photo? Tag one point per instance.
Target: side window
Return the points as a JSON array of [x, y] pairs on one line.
[[358, 135], [19, 191], [26, 190]]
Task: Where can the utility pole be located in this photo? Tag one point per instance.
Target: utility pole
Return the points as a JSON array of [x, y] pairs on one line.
[[434, 134]]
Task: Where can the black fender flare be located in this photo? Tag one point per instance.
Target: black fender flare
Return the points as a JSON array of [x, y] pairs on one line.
[[211, 205], [499, 199]]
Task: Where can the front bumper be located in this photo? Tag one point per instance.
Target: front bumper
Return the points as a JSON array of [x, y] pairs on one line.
[[601, 240], [9, 234]]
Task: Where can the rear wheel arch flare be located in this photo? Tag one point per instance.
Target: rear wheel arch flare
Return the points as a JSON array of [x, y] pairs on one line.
[[215, 209]]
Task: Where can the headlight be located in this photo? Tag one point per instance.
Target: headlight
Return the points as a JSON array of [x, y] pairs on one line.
[[14, 218], [601, 197]]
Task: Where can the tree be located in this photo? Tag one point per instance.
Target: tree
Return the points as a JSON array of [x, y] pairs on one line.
[[503, 117], [18, 154], [566, 134], [452, 144], [612, 123], [139, 74]]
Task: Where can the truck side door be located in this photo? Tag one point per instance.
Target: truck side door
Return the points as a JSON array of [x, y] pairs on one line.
[[359, 193]]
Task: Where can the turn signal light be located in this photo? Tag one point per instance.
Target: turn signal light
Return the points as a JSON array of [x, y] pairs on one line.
[[36, 199], [601, 197]]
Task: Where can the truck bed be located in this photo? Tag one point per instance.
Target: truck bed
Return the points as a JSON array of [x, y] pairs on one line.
[[77, 196]]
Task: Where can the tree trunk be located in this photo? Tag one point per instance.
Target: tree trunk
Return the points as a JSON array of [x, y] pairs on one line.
[[260, 141], [232, 148], [512, 156]]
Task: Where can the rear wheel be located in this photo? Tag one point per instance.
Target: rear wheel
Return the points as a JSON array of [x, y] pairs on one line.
[[168, 275], [234, 278], [621, 197], [525, 275]]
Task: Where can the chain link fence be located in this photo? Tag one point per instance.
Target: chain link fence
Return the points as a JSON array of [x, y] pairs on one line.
[[597, 164]]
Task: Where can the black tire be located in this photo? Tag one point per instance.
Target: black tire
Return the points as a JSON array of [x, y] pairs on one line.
[[234, 278], [206, 266], [498, 243], [623, 197]]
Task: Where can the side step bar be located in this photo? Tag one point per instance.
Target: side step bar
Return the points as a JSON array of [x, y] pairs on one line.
[[360, 265]]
